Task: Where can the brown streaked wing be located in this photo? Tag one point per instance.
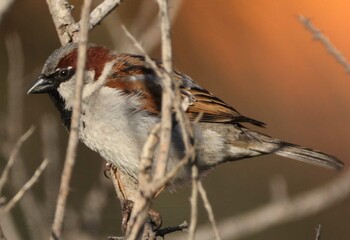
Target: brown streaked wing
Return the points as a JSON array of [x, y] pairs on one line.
[[133, 77], [214, 109]]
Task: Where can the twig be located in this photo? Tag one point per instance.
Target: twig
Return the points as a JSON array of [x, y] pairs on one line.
[[74, 131], [67, 28], [209, 209], [26, 186], [167, 93], [13, 157], [101, 11], [153, 184], [61, 14], [318, 232], [146, 191], [279, 212], [164, 231], [332, 50], [147, 155], [194, 203]]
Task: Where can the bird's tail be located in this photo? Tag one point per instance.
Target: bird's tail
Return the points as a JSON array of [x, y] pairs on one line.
[[308, 155], [265, 144]]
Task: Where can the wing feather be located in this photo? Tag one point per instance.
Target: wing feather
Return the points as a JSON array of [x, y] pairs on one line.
[[135, 77]]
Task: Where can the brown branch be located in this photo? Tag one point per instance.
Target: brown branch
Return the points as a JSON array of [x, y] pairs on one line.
[[13, 157], [331, 49], [74, 131], [26, 187]]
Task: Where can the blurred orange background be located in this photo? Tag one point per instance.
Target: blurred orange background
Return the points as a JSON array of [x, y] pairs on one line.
[[255, 55]]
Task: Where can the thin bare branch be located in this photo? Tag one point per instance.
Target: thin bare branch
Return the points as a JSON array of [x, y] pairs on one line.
[[101, 11], [26, 187], [153, 184], [67, 29], [147, 155], [167, 93], [331, 49], [209, 209], [164, 231], [194, 203], [74, 131], [64, 22], [13, 157], [318, 232]]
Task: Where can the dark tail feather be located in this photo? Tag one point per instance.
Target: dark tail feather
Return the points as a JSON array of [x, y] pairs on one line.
[[307, 155]]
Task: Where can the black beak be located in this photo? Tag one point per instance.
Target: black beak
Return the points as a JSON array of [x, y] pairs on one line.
[[42, 85]]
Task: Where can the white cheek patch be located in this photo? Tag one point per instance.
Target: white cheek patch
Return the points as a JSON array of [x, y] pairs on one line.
[[66, 90]]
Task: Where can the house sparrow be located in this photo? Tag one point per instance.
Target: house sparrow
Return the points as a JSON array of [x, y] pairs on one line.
[[117, 116]]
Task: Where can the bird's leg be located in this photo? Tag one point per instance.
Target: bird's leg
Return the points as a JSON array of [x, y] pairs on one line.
[[125, 194], [156, 219], [126, 208]]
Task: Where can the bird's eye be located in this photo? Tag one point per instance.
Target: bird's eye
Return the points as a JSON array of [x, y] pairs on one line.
[[64, 74]]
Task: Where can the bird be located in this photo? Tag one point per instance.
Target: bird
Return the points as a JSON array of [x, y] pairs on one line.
[[118, 114]]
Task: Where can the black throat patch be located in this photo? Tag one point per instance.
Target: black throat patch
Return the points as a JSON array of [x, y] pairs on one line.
[[66, 114]]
